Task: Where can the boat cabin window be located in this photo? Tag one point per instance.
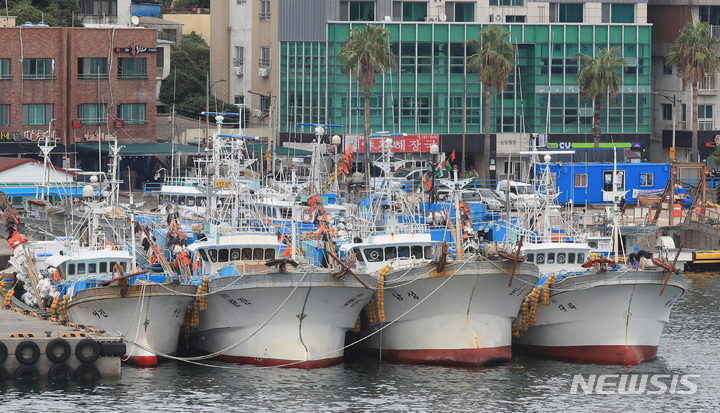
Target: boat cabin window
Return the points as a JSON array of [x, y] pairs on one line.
[[71, 269], [270, 254], [416, 251], [358, 254], [173, 199], [92, 268], [112, 265], [428, 252], [404, 252], [530, 257], [213, 254], [223, 255], [247, 253], [571, 258], [234, 254], [390, 253], [190, 201], [203, 255], [258, 254], [374, 254], [181, 199], [551, 258], [103, 267], [540, 259], [561, 258], [592, 244], [581, 257], [81, 268]]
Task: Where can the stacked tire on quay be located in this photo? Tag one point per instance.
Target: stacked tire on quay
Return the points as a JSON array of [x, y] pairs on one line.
[[52, 352]]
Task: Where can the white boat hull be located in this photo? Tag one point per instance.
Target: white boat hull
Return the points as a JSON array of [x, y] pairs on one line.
[[603, 318], [265, 320], [150, 316], [465, 318]]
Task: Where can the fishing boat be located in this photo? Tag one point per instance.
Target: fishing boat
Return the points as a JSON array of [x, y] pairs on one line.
[[587, 307]]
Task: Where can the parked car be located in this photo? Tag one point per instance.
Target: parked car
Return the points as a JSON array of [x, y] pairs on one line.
[[485, 196], [522, 194]]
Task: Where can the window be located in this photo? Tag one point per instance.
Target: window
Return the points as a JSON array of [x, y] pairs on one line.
[[646, 179], [551, 258], [71, 269], [5, 69], [705, 117], [81, 268], [390, 253], [540, 259], [414, 11], [608, 180], [240, 2], [92, 68], [92, 268], [239, 58], [581, 257], [132, 68], [570, 13], [374, 254], [40, 69], [571, 258], [561, 258], [416, 251], [618, 13], [92, 113], [264, 9], [270, 254], [4, 115], [239, 100], [132, 113], [464, 12], [103, 267], [36, 115], [530, 257], [507, 2], [581, 180], [264, 56], [264, 103], [428, 252], [247, 253], [171, 33], [667, 70], [708, 83], [362, 11], [666, 111], [98, 7], [223, 255]]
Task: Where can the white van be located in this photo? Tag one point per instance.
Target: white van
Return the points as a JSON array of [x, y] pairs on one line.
[[522, 194]]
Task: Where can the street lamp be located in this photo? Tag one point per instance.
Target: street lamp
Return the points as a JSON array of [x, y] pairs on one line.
[[271, 123], [208, 87], [673, 100], [466, 85]]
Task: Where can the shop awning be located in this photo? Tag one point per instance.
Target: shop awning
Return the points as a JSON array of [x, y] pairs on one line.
[[143, 149], [261, 149]]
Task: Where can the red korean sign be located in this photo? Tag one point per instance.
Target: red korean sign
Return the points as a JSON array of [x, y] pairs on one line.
[[409, 143]]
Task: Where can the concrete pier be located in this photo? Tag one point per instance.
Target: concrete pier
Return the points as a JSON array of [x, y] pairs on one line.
[[33, 348]]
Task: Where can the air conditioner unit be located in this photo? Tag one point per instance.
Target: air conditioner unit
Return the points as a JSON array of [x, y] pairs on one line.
[[496, 18], [258, 113], [264, 72], [431, 19], [237, 70]]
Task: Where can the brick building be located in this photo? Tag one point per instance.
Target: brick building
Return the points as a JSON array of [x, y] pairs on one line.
[[94, 83]]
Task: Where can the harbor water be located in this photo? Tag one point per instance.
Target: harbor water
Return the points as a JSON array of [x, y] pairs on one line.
[[688, 349]]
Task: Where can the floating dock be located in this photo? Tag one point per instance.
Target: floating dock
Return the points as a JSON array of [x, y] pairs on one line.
[[32, 347]]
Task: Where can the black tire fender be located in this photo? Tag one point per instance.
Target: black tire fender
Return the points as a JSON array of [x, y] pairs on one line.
[[87, 372], [52, 345], [22, 358], [26, 372], [80, 350], [60, 368]]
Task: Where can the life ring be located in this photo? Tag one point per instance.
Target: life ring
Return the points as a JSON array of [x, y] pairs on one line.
[[80, 350], [109, 246], [374, 255], [60, 371], [87, 372], [26, 372], [62, 345], [306, 216], [22, 358]]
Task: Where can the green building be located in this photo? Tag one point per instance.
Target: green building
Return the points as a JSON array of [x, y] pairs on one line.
[[425, 95]]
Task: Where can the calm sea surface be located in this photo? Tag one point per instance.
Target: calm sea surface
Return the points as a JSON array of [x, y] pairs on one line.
[[689, 346]]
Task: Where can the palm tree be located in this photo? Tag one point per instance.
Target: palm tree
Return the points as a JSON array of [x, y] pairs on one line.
[[598, 78], [495, 58], [364, 53], [695, 59]]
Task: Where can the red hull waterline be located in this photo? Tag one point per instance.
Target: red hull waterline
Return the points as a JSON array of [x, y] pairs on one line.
[[142, 361], [624, 355], [467, 357], [299, 364]]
